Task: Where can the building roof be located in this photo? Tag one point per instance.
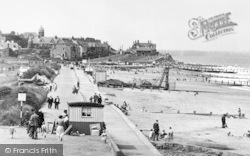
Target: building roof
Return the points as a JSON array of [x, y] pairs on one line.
[[67, 42], [43, 40], [144, 44], [84, 104], [41, 29], [34, 58], [47, 40], [143, 49], [100, 45]]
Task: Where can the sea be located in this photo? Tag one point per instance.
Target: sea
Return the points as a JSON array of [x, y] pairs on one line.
[[235, 59], [239, 61]]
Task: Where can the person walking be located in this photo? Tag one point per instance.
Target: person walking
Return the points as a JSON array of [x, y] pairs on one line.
[[78, 84], [150, 135], [95, 98], [50, 87], [59, 128], [33, 122], [104, 136], [91, 99], [54, 86], [239, 111], [57, 102], [66, 119], [43, 129], [50, 102], [156, 131], [223, 119], [74, 90], [100, 99], [77, 89], [12, 130], [40, 120]]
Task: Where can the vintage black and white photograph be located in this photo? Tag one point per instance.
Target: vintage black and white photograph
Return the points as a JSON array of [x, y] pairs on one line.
[[124, 78]]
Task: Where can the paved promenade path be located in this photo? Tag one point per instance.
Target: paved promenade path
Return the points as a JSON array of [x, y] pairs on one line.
[[65, 82], [122, 130]]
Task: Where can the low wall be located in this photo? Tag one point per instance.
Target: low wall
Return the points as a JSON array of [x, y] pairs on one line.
[[138, 133], [115, 150]]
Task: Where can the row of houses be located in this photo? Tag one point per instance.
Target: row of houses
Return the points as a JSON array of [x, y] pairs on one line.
[[68, 48]]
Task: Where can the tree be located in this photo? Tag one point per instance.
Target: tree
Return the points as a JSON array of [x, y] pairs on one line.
[[12, 33]]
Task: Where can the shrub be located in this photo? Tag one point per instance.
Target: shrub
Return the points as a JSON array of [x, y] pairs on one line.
[[10, 117], [50, 70], [41, 70], [30, 73], [4, 90], [10, 107], [55, 66]]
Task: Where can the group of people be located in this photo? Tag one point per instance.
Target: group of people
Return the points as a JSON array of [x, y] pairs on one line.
[[124, 107], [96, 99], [155, 134], [36, 124], [52, 86], [62, 124], [56, 101], [223, 118], [76, 88]]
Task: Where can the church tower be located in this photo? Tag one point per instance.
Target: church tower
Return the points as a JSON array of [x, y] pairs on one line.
[[41, 32]]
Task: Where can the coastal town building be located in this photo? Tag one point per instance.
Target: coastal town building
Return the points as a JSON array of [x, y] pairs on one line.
[[146, 49], [67, 48], [40, 41], [6, 47]]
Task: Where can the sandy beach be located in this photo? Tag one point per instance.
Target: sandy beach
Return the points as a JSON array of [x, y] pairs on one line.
[[188, 127]]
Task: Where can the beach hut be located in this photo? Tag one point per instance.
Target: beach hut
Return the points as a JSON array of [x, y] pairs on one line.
[[100, 75], [86, 117]]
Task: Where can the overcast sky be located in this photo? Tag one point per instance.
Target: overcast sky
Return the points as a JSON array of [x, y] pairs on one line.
[[120, 22]]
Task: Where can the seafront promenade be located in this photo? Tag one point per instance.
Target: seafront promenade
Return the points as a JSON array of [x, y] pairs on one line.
[[122, 131]]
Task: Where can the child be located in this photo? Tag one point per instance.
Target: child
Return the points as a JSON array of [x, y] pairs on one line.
[[163, 134], [150, 136], [104, 136], [43, 129], [12, 130]]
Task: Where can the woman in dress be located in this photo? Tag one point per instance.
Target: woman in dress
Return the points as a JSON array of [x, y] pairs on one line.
[[60, 128]]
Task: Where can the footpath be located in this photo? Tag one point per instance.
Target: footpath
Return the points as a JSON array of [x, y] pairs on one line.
[[124, 133]]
